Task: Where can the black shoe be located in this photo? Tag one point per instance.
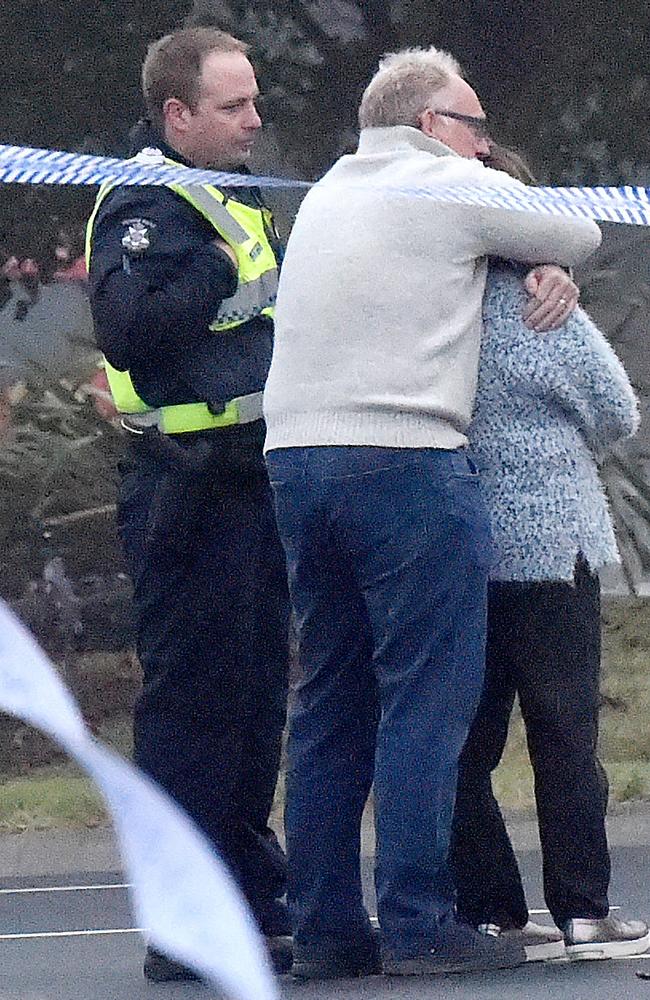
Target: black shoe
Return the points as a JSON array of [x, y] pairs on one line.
[[330, 959], [457, 948], [158, 968], [273, 918], [281, 953], [273, 921]]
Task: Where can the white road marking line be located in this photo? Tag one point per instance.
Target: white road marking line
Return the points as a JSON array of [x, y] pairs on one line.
[[40, 935], [69, 934], [139, 930], [65, 888], [541, 913], [127, 885]]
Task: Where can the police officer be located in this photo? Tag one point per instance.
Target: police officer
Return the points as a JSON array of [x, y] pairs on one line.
[[183, 282]]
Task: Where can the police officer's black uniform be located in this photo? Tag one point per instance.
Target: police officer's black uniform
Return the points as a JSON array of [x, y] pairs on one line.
[[197, 524]]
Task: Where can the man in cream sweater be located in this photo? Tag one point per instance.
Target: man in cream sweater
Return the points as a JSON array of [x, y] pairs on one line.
[[367, 403]]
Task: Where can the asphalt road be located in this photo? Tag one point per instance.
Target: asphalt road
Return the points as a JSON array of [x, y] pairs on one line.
[[80, 944]]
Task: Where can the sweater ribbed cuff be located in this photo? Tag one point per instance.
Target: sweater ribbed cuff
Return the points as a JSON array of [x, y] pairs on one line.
[[380, 430]]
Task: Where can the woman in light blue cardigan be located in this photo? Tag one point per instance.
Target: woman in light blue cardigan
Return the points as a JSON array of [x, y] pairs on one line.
[[547, 406]]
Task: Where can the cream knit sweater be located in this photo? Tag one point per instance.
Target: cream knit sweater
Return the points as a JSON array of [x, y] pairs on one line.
[[378, 315]]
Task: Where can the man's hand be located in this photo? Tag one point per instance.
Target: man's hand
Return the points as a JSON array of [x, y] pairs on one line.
[[554, 297]]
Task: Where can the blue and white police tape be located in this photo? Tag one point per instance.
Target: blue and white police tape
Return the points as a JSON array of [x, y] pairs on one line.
[[24, 165], [183, 896]]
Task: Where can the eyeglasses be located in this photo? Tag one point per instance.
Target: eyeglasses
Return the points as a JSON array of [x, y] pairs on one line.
[[479, 126]]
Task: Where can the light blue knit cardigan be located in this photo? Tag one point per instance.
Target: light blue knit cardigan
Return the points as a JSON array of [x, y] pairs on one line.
[[547, 405]]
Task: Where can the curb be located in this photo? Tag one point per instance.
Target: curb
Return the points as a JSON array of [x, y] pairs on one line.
[[55, 854]]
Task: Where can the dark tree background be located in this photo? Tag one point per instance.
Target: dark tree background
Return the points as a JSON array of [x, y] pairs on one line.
[[568, 82]]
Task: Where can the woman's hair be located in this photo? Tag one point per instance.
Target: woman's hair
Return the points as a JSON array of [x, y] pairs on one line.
[[502, 158]]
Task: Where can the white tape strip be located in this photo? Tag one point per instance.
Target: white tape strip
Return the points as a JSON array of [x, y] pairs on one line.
[[182, 893], [26, 165]]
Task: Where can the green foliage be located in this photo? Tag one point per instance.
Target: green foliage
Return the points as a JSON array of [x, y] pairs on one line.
[[635, 787], [568, 82], [58, 458]]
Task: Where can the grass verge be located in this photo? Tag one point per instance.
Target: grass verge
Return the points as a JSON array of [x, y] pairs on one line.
[[50, 801], [62, 797]]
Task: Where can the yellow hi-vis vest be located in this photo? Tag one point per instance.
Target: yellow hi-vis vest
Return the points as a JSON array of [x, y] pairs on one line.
[[244, 229]]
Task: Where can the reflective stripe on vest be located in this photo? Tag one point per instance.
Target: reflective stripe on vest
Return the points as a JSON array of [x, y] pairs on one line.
[[214, 211], [188, 417], [243, 228]]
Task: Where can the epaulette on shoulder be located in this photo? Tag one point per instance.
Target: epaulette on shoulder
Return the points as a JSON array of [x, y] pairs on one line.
[[150, 157]]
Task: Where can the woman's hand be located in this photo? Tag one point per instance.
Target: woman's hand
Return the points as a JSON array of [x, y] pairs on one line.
[[554, 297]]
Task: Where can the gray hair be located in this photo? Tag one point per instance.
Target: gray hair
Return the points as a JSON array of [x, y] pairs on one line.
[[403, 86]]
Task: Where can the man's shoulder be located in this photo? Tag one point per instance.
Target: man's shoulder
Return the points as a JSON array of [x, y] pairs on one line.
[[459, 171], [418, 168], [166, 219], [157, 198]]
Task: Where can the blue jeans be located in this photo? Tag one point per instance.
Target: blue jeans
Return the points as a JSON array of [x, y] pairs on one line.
[[388, 552]]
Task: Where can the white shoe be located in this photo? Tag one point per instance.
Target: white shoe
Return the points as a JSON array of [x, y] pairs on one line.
[[609, 937], [541, 943]]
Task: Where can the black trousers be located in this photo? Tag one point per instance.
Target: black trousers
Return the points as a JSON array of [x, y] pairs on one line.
[[212, 614], [543, 645]]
